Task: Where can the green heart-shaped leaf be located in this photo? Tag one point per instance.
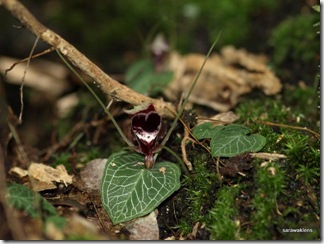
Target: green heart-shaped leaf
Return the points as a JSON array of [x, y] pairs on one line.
[[233, 140], [129, 190], [230, 140], [205, 130]]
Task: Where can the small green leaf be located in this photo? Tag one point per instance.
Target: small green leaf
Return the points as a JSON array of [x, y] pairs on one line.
[[129, 190], [23, 198], [161, 80], [233, 140], [136, 69], [205, 130], [141, 77]]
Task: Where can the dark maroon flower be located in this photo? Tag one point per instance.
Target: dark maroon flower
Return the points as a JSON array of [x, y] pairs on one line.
[[146, 127]]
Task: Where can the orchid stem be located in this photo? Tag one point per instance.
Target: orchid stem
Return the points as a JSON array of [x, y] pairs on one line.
[[98, 99]]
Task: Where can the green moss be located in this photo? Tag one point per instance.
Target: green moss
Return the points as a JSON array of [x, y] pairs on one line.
[[300, 171], [303, 155], [296, 47], [269, 181], [200, 192], [222, 221]]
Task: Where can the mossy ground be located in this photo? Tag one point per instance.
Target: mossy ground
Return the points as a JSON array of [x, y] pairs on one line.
[[260, 199]]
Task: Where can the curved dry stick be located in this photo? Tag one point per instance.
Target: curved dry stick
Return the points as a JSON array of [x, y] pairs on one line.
[[107, 84]]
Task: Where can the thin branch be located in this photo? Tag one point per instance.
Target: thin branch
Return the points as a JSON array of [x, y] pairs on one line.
[[23, 80], [291, 127], [51, 49], [106, 83]]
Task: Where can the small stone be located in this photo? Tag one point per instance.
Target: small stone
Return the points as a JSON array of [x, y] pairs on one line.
[[144, 228], [91, 175]]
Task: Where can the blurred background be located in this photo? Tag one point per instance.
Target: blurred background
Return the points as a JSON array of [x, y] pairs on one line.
[[117, 34], [114, 33]]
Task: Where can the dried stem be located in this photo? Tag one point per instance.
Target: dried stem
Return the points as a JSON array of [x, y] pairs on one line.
[[291, 127], [107, 84], [23, 81], [26, 59], [183, 149]]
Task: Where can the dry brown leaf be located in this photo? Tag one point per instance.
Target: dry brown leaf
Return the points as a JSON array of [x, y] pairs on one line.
[[224, 79], [18, 172], [43, 176], [219, 119]]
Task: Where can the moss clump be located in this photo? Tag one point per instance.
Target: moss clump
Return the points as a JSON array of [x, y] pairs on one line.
[[303, 156], [200, 191], [269, 181], [296, 48], [222, 221]]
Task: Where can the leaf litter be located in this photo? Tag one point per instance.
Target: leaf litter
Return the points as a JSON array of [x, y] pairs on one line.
[[225, 78]]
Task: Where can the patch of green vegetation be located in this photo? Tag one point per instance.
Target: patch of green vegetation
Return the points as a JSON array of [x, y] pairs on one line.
[[269, 182], [292, 109], [190, 24], [81, 155], [226, 15], [143, 78], [64, 159], [303, 156], [304, 104], [23, 198], [284, 193], [296, 47], [222, 221], [200, 190]]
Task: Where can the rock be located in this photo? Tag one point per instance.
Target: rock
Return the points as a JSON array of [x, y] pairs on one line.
[[144, 228], [91, 175]]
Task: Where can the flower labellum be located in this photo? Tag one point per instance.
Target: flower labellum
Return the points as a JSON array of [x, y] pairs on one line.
[[146, 127]]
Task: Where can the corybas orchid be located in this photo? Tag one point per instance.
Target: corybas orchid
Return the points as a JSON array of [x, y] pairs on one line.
[[147, 129]]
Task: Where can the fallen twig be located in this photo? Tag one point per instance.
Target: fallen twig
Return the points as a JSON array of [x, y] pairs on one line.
[[183, 149], [268, 156]]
